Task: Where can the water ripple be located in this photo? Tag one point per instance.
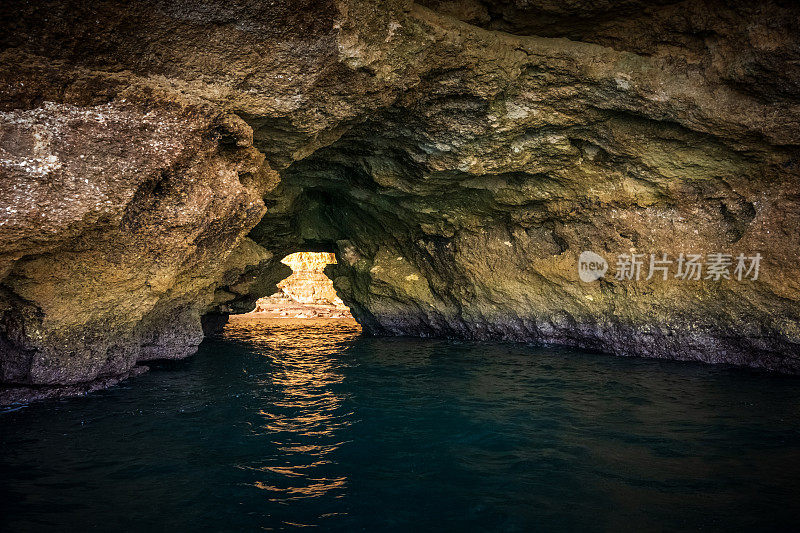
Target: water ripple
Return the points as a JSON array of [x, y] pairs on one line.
[[281, 427]]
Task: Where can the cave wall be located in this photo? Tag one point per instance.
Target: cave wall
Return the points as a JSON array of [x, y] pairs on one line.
[[159, 158]]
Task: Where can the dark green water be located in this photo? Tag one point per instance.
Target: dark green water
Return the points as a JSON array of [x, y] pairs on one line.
[[279, 427]]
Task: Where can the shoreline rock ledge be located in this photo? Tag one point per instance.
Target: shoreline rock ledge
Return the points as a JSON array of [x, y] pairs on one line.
[[158, 159]]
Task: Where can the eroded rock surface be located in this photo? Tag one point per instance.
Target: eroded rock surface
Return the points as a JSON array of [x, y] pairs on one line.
[[159, 158], [119, 223], [308, 283], [306, 293]]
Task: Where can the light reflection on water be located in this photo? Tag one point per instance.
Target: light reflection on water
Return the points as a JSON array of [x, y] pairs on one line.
[[280, 425], [306, 419]]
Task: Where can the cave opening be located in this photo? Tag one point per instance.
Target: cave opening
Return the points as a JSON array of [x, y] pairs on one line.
[[306, 294]]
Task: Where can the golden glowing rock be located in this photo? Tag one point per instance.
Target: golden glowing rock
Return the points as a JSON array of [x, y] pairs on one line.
[[308, 284]]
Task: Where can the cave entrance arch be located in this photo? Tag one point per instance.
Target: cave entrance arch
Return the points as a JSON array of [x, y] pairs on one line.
[[307, 293]]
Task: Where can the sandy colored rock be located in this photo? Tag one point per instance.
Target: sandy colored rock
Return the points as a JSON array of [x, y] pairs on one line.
[[306, 294], [159, 158], [308, 283]]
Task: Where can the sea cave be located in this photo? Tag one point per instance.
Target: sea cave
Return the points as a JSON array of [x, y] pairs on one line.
[[346, 253]]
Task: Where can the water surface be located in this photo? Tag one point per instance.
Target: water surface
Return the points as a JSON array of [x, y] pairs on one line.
[[276, 427]]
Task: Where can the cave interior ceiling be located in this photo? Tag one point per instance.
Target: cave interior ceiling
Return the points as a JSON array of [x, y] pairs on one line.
[[160, 158]]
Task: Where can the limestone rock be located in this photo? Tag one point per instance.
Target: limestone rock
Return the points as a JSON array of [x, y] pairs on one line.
[[116, 225], [159, 158], [308, 283]]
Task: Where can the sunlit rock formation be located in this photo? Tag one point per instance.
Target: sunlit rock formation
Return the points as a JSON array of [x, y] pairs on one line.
[[307, 293], [159, 158], [308, 283]]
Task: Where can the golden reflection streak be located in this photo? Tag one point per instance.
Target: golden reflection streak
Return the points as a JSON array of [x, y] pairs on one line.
[[304, 414]]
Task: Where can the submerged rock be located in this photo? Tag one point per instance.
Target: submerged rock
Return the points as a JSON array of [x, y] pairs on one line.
[[158, 160]]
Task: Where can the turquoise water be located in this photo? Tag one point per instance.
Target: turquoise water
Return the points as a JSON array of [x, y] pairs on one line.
[[280, 427]]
